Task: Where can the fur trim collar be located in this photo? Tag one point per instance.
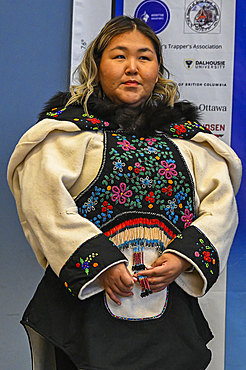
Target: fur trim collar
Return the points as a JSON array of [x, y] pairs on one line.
[[146, 120]]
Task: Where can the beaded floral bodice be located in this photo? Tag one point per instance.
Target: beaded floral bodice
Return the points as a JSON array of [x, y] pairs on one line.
[[143, 189]]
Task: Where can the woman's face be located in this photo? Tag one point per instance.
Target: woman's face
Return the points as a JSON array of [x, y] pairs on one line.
[[129, 69]]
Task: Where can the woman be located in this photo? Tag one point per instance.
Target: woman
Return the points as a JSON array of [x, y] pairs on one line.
[[124, 198]]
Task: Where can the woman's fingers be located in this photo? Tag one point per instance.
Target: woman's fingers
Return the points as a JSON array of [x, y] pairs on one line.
[[164, 271], [127, 280], [117, 280], [113, 296]]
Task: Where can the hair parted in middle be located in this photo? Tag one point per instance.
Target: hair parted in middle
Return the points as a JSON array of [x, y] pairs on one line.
[[87, 72]]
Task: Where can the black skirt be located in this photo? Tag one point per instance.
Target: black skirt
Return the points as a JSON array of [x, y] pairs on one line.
[[93, 339]]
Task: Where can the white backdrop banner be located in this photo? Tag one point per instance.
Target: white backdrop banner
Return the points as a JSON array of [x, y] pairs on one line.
[[198, 49], [89, 16]]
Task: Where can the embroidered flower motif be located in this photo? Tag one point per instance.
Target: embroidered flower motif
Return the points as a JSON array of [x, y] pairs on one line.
[[106, 124], [151, 150], [106, 206], [118, 165], [168, 170], [139, 168], [187, 218], [167, 190], [171, 205], [150, 199], [91, 203], [206, 256], [126, 145], [85, 264], [146, 182], [106, 211], [150, 141], [180, 129], [94, 120], [120, 193]]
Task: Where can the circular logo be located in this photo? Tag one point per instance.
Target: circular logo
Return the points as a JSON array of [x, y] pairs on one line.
[[154, 13], [202, 16]]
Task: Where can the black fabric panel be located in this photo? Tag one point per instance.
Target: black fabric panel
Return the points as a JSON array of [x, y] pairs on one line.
[[111, 179], [63, 362], [88, 260], [93, 339]]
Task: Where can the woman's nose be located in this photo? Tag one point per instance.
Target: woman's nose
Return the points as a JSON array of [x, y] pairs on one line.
[[131, 67]]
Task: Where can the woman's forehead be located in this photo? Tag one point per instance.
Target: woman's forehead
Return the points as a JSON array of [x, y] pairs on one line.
[[128, 39]]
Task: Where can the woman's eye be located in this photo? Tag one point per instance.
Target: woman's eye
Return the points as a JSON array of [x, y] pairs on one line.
[[144, 57], [119, 57]]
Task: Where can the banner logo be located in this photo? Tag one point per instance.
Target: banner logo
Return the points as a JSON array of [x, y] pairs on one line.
[[189, 63], [155, 13], [202, 16], [204, 64]]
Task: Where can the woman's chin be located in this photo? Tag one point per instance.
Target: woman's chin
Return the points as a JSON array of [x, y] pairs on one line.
[[132, 102]]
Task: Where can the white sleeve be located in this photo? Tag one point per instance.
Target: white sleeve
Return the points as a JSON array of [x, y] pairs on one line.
[[48, 213], [206, 242]]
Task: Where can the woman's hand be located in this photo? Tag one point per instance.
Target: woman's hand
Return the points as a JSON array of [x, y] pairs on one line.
[[117, 279], [164, 271]]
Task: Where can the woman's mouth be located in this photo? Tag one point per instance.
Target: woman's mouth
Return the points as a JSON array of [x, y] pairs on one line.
[[131, 83]]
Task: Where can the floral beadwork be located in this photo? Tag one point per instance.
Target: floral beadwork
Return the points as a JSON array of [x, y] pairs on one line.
[[91, 203], [206, 254], [187, 218], [186, 130], [168, 170], [118, 165], [137, 178], [85, 264], [120, 193], [90, 123], [126, 145]]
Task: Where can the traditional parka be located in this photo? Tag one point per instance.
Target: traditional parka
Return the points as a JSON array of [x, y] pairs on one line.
[[77, 216]]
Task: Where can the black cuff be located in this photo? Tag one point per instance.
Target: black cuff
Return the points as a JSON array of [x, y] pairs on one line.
[[197, 247], [89, 260]]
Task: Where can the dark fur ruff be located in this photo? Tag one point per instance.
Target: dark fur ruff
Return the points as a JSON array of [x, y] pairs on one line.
[[145, 121]]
